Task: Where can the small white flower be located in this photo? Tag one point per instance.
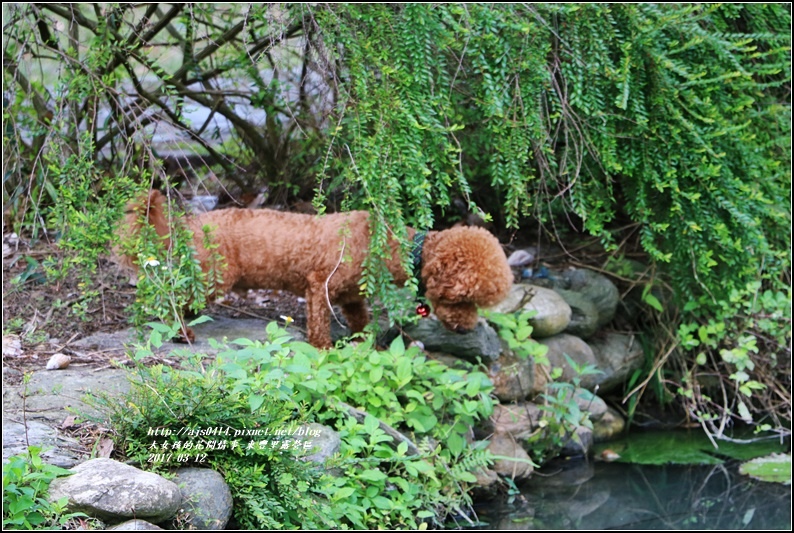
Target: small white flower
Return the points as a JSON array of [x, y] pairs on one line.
[[151, 262], [287, 319]]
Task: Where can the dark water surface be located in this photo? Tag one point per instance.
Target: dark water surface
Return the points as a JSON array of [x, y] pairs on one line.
[[580, 494]]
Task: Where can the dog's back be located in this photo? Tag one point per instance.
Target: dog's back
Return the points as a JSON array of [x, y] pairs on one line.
[[269, 249]]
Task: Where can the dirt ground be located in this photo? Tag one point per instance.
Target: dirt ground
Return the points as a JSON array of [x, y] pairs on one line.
[[42, 315]]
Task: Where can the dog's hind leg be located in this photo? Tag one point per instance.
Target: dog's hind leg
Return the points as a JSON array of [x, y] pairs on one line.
[[318, 312]]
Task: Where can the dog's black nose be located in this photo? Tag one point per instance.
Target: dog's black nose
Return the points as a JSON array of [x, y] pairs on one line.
[[461, 329]]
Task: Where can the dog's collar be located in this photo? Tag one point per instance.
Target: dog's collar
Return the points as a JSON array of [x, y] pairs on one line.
[[416, 258], [422, 309]]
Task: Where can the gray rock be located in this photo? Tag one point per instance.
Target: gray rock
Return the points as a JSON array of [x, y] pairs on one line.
[[452, 361], [135, 525], [580, 443], [325, 442], [218, 328], [590, 403], [512, 377], [618, 356], [609, 426], [59, 450], [517, 420], [112, 491], [49, 394], [584, 314], [578, 351], [514, 300], [519, 466], [552, 313], [586, 401], [206, 499], [487, 484], [596, 287], [482, 342]]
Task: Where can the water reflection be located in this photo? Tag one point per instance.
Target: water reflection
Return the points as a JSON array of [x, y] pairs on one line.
[[578, 494]]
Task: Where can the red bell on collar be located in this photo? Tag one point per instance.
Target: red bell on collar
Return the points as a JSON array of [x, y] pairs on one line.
[[423, 310]]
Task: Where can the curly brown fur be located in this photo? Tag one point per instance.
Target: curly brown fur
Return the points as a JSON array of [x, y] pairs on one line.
[[321, 257]]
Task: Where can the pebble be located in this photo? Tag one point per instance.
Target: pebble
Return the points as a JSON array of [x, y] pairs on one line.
[[58, 361]]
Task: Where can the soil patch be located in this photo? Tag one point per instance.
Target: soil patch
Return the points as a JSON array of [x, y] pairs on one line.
[[46, 316]]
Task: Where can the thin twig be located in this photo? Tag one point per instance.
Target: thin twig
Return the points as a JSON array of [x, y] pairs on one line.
[[327, 296]]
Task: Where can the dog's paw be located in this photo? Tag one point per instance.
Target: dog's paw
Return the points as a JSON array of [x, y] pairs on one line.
[[185, 336]]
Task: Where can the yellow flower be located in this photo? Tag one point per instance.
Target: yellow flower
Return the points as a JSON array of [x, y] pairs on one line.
[[287, 320]]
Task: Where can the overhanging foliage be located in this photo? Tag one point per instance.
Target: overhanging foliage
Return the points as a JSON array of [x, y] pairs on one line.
[[660, 125]]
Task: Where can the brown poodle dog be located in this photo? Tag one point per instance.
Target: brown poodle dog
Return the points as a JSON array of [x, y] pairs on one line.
[[320, 258]]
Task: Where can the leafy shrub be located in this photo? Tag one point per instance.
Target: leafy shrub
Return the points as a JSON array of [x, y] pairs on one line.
[[432, 403], [281, 383], [170, 281]]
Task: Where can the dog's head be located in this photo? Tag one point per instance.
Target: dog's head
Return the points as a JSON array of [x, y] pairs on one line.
[[464, 268]]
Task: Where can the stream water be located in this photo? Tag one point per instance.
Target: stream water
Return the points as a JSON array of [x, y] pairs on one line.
[[581, 494]]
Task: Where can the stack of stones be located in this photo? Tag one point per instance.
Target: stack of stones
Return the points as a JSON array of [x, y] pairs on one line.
[[572, 312]]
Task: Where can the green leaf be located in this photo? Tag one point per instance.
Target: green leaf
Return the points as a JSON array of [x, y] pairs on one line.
[[654, 302], [372, 475], [376, 374], [775, 468], [382, 502], [683, 447], [397, 347], [255, 402], [343, 493]]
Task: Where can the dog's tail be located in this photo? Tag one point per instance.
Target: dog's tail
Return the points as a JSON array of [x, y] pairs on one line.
[[150, 209]]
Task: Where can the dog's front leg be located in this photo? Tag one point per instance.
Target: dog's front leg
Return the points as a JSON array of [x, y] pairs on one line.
[[318, 312]]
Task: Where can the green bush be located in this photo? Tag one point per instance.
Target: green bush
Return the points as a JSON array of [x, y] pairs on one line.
[[375, 480]]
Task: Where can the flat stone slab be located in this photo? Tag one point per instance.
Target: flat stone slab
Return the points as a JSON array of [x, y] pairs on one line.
[[61, 451], [218, 329], [53, 395]]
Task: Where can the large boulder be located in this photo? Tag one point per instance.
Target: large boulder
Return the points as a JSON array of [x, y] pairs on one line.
[[60, 450], [481, 343], [517, 420], [600, 290], [486, 486], [617, 356], [580, 353], [609, 426], [584, 314], [325, 442], [595, 287], [579, 444], [552, 316], [112, 491], [518, 466], [135, 525], [512, 377], [207, 499]]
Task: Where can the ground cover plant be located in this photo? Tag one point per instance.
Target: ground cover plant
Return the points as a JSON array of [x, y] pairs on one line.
[[378, 478]]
